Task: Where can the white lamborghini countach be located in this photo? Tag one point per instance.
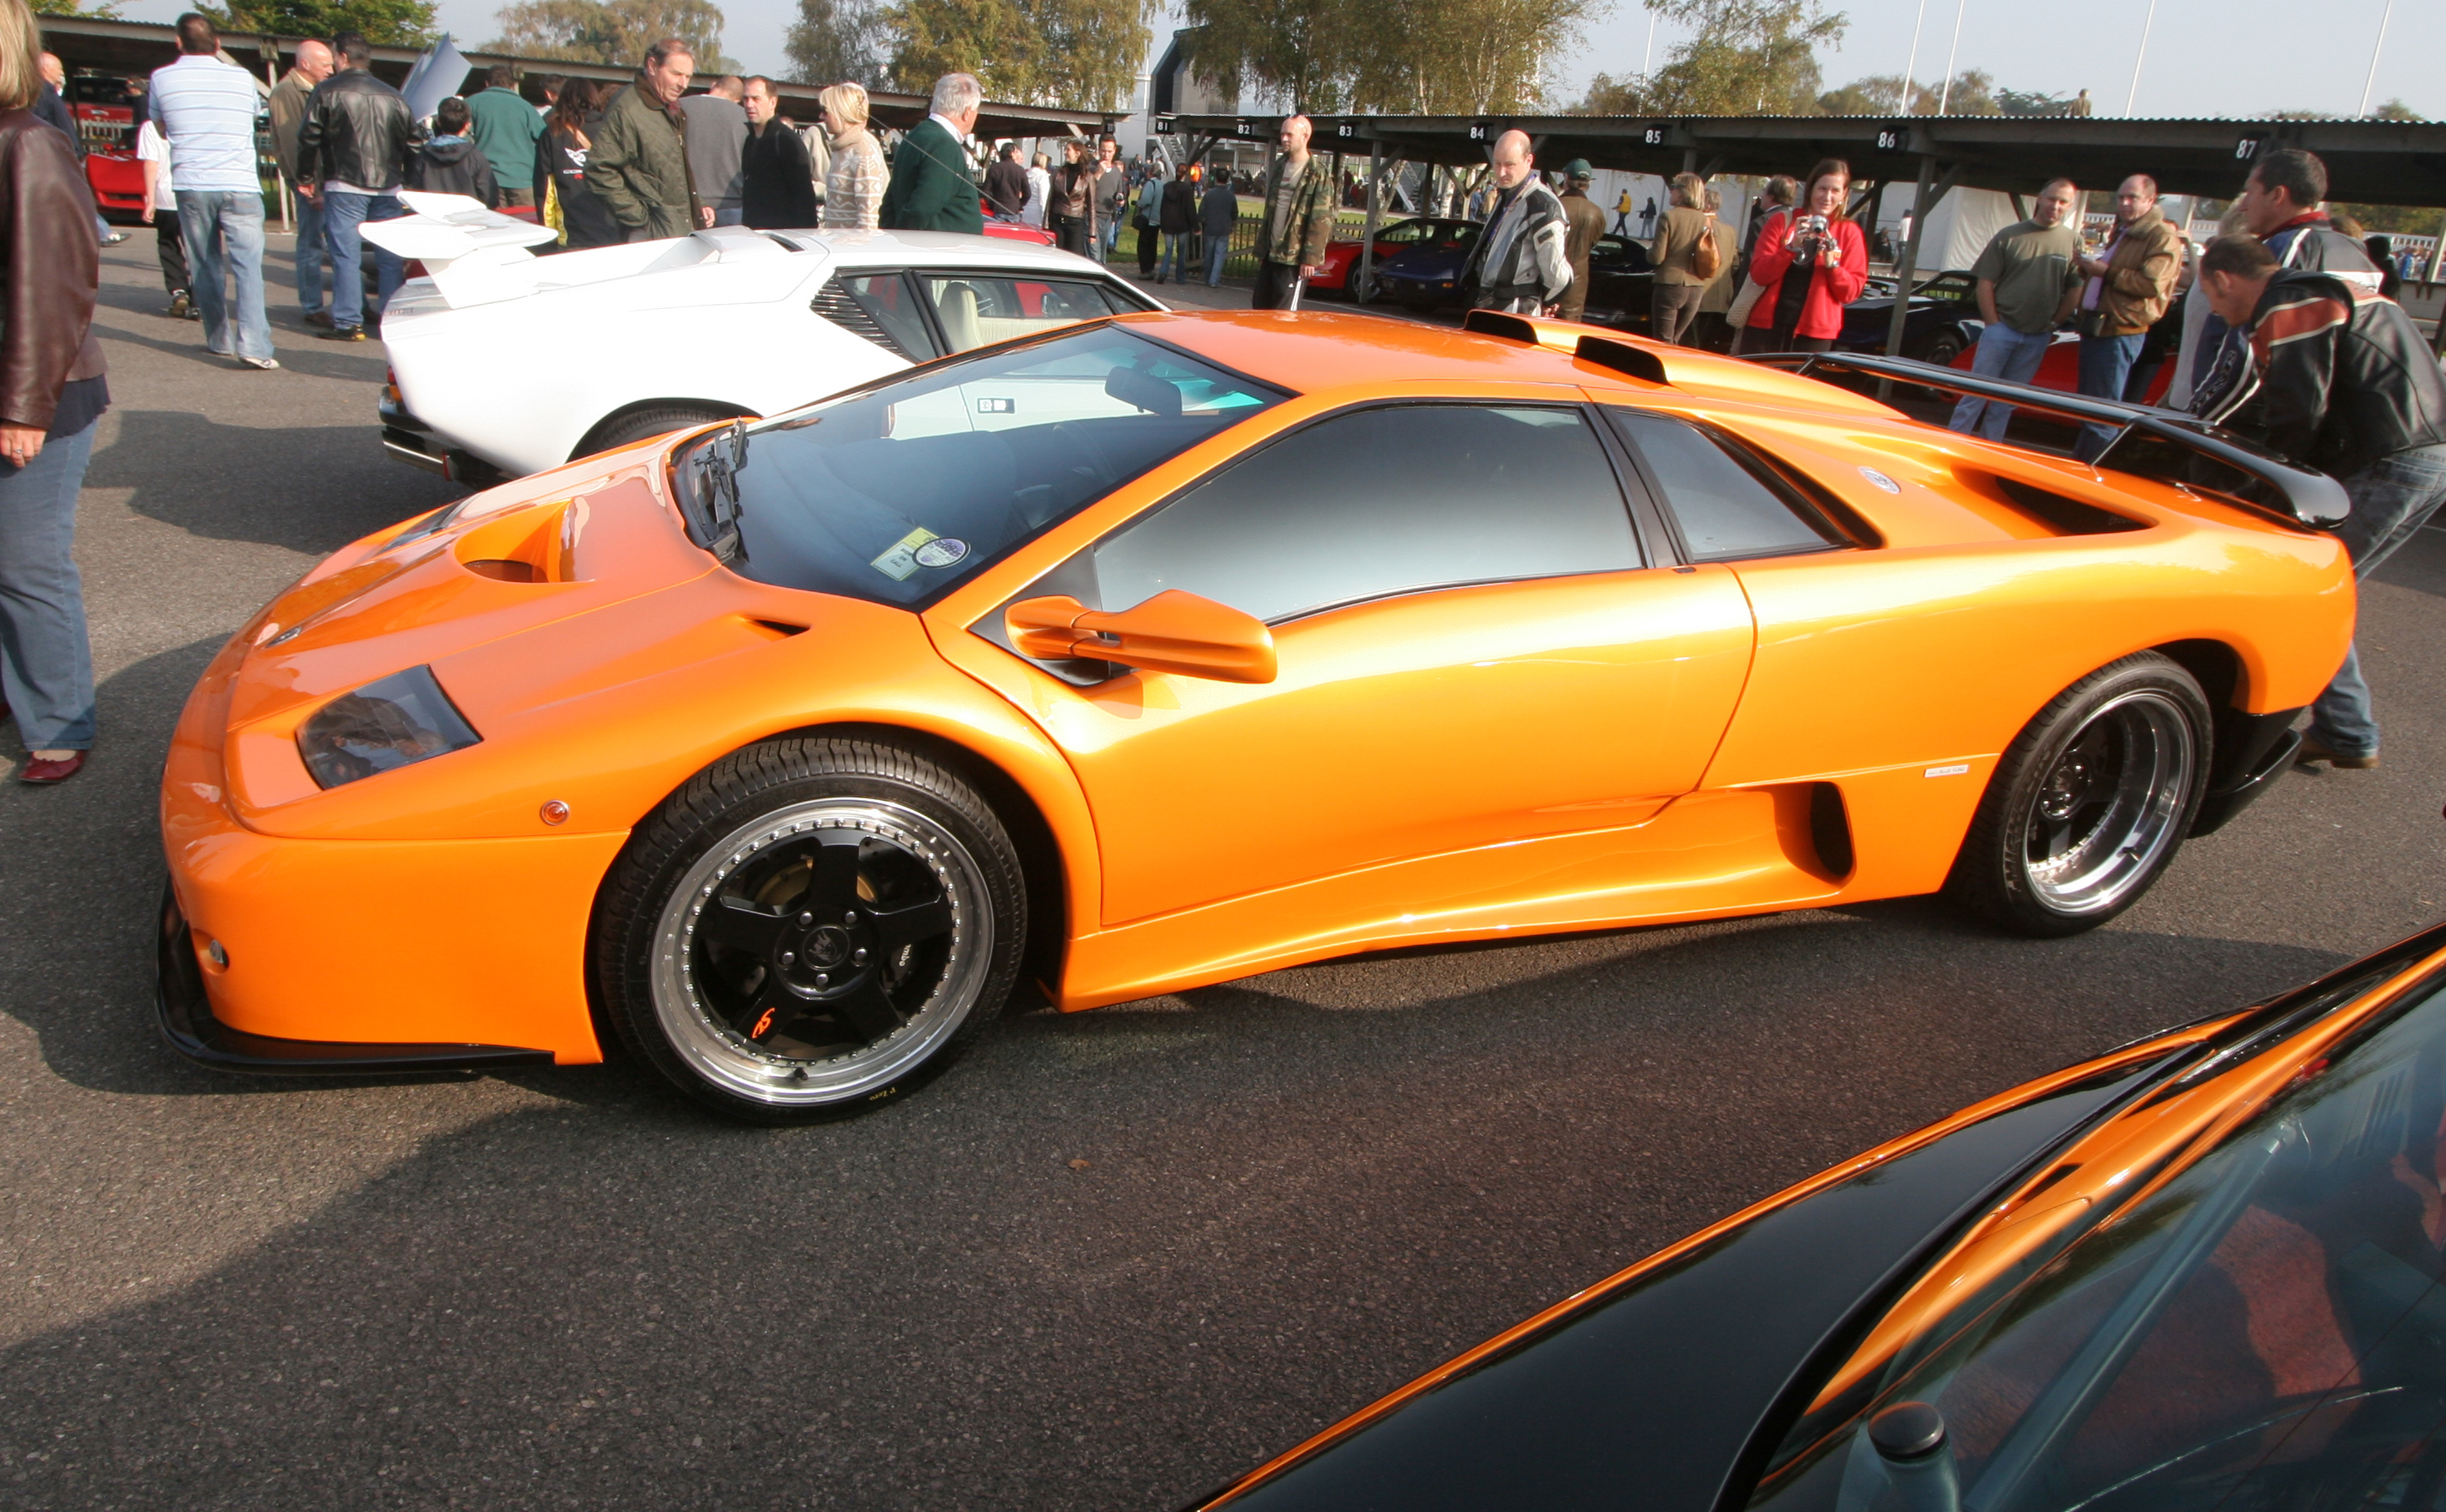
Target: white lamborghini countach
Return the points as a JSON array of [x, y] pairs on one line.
[[503, 362]]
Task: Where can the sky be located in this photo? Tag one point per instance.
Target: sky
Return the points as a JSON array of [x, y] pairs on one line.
[[2218, 58]]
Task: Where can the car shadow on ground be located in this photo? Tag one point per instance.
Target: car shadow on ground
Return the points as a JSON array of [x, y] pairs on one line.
[[229, 483], [675, 1316]]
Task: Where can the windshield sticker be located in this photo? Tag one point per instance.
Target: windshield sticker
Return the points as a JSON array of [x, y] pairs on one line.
[[997, 406], [902, 559], [945, 551], [1881, 480]]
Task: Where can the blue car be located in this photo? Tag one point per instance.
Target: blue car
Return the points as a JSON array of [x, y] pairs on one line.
[[1428, 276]]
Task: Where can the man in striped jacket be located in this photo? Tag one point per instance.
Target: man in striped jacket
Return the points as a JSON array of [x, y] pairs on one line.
[[207, 110], [2341, 381], [1521, 263]]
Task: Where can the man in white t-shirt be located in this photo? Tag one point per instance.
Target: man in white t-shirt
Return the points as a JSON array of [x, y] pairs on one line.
[[207, 110], [162, 214]]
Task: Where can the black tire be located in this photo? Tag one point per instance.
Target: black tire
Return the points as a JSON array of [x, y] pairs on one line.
[[660, 419], [809, 927], [2090, 803], [1942, 348], [1368, 289]]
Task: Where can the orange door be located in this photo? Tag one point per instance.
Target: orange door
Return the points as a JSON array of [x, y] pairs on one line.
[[1471, 652]]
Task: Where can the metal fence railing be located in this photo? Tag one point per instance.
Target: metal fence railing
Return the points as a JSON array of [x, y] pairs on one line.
[[1242, 260]]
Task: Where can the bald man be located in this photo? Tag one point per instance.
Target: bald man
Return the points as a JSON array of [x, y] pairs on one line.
[[1521, 262], [314, 65], [1298, 221]]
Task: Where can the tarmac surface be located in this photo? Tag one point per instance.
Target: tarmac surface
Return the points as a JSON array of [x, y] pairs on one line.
[[567, 1288]]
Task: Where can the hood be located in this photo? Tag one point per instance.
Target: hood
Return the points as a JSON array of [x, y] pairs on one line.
[[448, 149]]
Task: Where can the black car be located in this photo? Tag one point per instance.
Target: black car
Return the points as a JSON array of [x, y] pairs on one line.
[[1942, 323], [2203, 1271], [1621, 284]]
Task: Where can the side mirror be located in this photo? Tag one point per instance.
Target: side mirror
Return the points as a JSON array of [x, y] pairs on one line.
[[1171, 632]]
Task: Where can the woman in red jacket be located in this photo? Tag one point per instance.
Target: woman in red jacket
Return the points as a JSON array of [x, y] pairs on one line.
[[1810, 264]]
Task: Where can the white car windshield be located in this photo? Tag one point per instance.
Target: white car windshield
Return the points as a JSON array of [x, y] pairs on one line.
[[901, 491]]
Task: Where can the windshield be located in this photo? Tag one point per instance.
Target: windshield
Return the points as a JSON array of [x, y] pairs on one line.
[[2264, 1330], [897, 492]]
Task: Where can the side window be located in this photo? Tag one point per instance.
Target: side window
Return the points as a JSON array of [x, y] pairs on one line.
[[1726, 506], [881, 307], [977, 310], [1408, 231], [1380, 502]]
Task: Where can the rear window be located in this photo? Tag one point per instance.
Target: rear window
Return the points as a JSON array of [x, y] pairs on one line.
[[1726, 504], [902, 490]]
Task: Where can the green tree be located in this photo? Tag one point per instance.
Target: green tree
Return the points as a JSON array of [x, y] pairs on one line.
[[836, 42], [1439, 57], [1745, 57], [611, 32], [1881, 94], [70, 8], [1075, 54], [393, 23], [2395, 110], [2032, 103]]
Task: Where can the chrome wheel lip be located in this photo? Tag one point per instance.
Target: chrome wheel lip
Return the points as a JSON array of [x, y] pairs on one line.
[[728, 1061], [2109, 864]]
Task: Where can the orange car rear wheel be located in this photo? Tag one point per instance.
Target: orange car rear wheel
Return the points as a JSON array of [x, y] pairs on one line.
[[2092, 801], [809, 927]]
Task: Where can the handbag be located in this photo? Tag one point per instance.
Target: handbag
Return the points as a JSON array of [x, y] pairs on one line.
[[1745, 302], [1706, 258]]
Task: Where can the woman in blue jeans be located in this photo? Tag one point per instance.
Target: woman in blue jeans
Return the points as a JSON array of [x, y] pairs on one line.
[[52, 392]]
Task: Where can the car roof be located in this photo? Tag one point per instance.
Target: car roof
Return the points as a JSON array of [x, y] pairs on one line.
[[1315, 350], [1319, 349], [933, 249]]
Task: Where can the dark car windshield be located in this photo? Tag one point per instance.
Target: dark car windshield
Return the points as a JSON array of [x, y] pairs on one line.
[[899, 491], [2265, 1328]]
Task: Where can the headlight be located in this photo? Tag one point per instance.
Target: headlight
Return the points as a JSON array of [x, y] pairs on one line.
[[396, 722]]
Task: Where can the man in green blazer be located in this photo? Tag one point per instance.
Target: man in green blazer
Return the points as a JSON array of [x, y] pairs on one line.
[[931, 189]]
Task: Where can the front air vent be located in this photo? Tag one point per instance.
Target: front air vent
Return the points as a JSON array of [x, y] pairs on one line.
[[843, 308]]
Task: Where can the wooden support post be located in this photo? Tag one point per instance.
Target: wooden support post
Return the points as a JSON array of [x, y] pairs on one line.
[[1356, 282], [1931, 190]]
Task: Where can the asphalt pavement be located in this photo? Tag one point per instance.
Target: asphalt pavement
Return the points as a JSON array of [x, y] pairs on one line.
[[565, 1288]]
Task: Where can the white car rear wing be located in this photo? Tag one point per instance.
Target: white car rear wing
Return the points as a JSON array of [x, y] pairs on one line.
[[469, 252]]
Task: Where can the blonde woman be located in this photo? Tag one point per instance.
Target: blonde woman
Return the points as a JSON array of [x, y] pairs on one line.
[[53, 393], [854, 188]]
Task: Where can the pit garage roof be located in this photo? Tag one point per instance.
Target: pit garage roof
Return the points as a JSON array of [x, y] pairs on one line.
[[94, 44], [2381, 162]]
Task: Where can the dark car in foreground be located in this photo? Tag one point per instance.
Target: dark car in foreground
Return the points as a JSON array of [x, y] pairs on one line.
[[2199, 1272]]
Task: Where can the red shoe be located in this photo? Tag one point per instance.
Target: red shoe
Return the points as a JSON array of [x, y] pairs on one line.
[[44, 773]]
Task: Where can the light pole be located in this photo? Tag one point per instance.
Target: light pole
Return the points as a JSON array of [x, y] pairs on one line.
[[2150, 21], [1945, 94], [1647, 58], [1912, 67], [2370, 82]]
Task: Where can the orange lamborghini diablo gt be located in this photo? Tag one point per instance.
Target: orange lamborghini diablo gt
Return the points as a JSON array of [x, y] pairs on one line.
[[1170, 648]]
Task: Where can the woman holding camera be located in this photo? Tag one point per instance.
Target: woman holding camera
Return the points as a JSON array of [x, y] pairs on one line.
[[1809, 265]]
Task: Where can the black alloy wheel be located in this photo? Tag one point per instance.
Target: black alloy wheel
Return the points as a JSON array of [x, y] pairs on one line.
[[810, 926]]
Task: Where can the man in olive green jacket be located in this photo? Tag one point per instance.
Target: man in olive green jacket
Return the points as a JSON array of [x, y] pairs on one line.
[[1298, 223], [931, 189], [638, 164]]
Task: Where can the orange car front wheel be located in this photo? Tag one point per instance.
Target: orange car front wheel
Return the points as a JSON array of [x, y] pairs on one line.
[[2092, 801], [809, 927]]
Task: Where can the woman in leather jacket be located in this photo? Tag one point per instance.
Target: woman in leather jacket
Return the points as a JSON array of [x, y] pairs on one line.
[[52, 392]]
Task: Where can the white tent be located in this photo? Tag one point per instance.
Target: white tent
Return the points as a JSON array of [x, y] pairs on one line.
[[1958, 230]]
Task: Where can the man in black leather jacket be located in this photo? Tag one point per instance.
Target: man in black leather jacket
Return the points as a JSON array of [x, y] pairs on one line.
[[2339, 378], [353, 152]]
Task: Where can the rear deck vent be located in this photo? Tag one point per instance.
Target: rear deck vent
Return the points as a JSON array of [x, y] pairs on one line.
[[2069, 516], [841, 308]]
